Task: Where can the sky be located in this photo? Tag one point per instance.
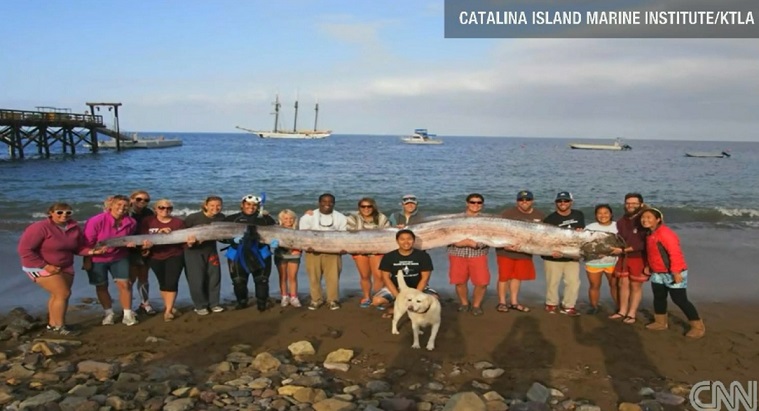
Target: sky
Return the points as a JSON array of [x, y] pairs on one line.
[[374, 68]]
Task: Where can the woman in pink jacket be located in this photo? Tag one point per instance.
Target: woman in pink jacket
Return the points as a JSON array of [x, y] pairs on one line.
[[47, 250], [669, 273]]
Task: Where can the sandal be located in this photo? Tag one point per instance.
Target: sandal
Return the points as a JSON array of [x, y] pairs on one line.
[[380, 307], [387, 315], [477, 311], [502, 308], [463, 308], [629, 320], [519, 307], [365, 303], [617, 316]]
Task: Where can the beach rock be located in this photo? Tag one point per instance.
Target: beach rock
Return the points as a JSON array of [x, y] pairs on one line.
[[182, 404], [309, 395], [72, 403], [43, 348], [265, 362], [628, 406], [17, 371], [496, 406], [40, 399], [682, 390], [397, 404], [588, 407], [239, 357], [289, 390], [493, 396], [336, 366], [301, 348], [6, 397], [153, 340], [650, 405], [465, 401], [529, 406], [538, 393], [375, 386], [117, 403], [435, 386], [480, 385], [309, 380], [99, 370], [669, 399], [340, 356], [424, 406], [646, 392], [260, 383], [492, 373], [482, 365], [331, 404]]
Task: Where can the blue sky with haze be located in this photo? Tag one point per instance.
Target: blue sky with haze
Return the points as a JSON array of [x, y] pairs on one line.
[[375, 68]]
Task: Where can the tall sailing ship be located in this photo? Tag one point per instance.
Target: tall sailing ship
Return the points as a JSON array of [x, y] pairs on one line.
[[294, 133]]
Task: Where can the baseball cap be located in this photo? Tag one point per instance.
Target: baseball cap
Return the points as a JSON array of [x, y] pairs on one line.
[[524, 194], [250, 198], [409, 198], [564, 195]]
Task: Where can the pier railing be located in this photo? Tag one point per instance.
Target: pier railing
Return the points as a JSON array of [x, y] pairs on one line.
[[8, 117]]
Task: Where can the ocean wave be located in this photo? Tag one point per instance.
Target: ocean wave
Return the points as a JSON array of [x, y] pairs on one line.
[[739, 212]]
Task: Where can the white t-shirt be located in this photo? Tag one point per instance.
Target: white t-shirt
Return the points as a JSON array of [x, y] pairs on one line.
[[335, 221], [609, 260]]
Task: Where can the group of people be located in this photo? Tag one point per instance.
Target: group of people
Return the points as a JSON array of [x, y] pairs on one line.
[[47, 249]]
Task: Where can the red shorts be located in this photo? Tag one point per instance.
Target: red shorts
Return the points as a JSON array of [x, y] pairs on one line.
[[515, 268], [631, 267], [462, 269]]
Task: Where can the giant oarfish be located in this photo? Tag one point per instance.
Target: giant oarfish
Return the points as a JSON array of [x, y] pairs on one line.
[[528, 237]]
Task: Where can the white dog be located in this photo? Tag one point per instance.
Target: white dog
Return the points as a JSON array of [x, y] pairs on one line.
[[423, 309]]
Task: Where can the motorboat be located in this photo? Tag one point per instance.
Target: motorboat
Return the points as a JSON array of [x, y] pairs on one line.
[[708, 154], [421, 136], [141, 142], [618, 145]]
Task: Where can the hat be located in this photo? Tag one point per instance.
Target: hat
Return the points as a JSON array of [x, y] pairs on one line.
[[564, 195], [409, 198], [526, 195], [250, 198]]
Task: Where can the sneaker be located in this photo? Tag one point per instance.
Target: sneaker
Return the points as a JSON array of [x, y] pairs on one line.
[[295, 302], [551, 309], [314, 305], [241, 305], [572, 312], [593, 311], [285, 300], [108, 319], [217, 309], [202, 311], [334, 305], [365, 303], [148, 309], [62, 330], [129, 320]]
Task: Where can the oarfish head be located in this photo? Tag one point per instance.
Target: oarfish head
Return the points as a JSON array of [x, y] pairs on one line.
[[601, 245]]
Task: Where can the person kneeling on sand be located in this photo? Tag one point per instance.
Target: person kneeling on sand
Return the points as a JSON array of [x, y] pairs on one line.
[[415, 264], [669, 273]]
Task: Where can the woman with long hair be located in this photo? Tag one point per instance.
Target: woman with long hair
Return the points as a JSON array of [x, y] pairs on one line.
[[368, 217]]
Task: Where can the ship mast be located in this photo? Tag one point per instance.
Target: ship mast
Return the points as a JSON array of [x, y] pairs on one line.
[[276, 113], [316, 115], [295, 122]]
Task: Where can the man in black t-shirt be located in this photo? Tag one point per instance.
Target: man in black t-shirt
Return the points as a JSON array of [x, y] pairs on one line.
[[415, 264], [558, 267]]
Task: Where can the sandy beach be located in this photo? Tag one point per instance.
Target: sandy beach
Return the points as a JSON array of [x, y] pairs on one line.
[[589, 357]]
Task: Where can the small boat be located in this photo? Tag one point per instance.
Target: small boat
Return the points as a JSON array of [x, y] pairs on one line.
[[421, 136], [141, 142], [617, 146], [296, 134], [708, 154]]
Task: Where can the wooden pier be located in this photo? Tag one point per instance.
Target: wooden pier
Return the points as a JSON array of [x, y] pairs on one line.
[[49, 131]]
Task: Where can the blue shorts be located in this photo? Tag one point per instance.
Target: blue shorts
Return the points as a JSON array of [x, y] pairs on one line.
[[669, 281], [387, 295], [119, 270]]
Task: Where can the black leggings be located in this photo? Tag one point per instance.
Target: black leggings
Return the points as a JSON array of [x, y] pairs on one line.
[[260, 279], [679, 297], [168, 272]]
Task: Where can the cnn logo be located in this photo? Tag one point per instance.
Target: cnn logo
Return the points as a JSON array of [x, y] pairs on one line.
[[721, 398]]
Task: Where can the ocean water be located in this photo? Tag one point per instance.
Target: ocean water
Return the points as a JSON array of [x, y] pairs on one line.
[[711, 202], [701, 191]]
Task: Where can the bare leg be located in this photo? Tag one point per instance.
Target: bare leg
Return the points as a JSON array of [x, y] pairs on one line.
[[624, 295], [104, 297], [613, 288], [478, 295], [125, 294], [462, 291], [365, 272], [283, 277], [169, 298], [292, 277], [514, 286], [594, 288], [377, 283], [59, 287], [501, 288], [636, 293]]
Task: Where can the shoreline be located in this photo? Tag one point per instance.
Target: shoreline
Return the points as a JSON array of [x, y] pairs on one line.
[[586, 357]]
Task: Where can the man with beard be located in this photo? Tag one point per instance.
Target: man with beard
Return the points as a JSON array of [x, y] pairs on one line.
[[513, 266], [629, 271]]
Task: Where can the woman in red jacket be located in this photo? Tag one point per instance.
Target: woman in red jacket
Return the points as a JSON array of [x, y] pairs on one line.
[[47, 250], [669, 273]]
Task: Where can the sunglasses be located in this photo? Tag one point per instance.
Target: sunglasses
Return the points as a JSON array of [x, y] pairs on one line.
[[476, 202], [141, 200], [525, 199], [366, 206], [170, 208], [62, 212], [563, 201]]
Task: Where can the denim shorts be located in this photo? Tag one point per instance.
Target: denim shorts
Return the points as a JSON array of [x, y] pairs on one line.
[[119, 270]]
